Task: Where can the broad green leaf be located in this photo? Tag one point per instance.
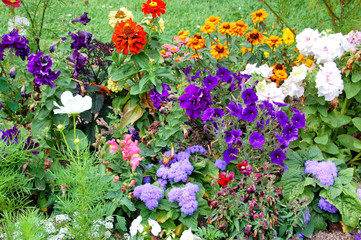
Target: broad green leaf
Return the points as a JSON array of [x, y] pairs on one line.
[[357, 123], [336, 119], [330, 148], [125, 71], [335, 190], [39, 125], [13, 106], [121, 223], [130, 114], [351, 89], [322, 140], [129, 204], [190, 221], [346, 175], [164, 215], [141, 59], [356, 75], [3, 84], [318, 221], [350, 142], [80, 135]]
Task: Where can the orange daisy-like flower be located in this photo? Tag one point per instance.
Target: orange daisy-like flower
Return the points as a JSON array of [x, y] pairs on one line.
[[278, 67], [240, 28], [128, 36], [196, 42], [183, 35], [219, 51], [213, 20], [274, 41], [259, 16], [154, 7], [226, 27], [254, 37], [208, 28], [281, 74], [244, 50]]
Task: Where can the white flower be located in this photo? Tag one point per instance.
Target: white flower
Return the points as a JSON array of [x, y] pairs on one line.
[[250, 69], [73, 105], [63, 230], [136, 226], [265, 71], [298, 73], [107, 234], [156, 229], [61, 218], [306, 39], [109, 219], [108, 225], [269, 92], [293, 89], [327, 49], [188, 235], [20, 23], [329, 81]]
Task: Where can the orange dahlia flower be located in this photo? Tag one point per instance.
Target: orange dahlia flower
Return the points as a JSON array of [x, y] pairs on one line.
[[259, 16], [254, 37], [274, 41], [219, 51], [226, 27], [196, 42], [128, 36], [240, 28], [154, 7]]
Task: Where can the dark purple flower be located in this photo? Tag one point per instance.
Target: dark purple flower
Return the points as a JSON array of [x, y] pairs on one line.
[[280, 104], [230, 154], [249, 113], [10, 135], [290, 132], [135, 134], [256, 139], [40, 67], [78, 62], [277, 157], [267, 106], [218, 113], [82, 19], [15, 42], [298, 120], [30, 145], [210, 82], [232, 136], [207, 114], [198, 75], [240, 79], [0, 106], [80, 40], [195, 100], [282, 118], [188, 72], [249, 96], [282, 142], [224, 75], [158, 98], [235, 109]]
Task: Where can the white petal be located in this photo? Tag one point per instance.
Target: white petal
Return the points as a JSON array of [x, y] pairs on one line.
[[66, 98], [156, 229]]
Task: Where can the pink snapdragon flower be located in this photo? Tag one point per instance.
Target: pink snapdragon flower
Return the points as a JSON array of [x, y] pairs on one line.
[[113, 146]]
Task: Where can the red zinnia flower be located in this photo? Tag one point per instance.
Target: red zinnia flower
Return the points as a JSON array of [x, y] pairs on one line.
[[154, 7], [13, 3], [129, 35], [223, 181]]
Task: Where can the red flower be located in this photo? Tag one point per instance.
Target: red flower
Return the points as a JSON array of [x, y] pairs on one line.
[[154, 7], [13, 3], [242, 166], [223, 181], [129, 36]]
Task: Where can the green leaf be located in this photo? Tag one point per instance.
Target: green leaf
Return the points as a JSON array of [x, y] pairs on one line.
[[125, 71], [13, 106], [345, 175], [80, 135], [129, 204], [3, 84], [291, 183], [164, 216], [130, 114], [308, 230], [350, 142], [356, 75], [141, 59], [39, 125], [313, 153], [322, 140], [121, 223], [336, 119], [330, 148], [318, 221], [98, 103], [335, 190], [357, 123], [351, 89], [190, 221]]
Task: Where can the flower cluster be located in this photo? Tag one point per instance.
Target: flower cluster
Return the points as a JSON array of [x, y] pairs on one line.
[[10, 135], [80, 40], [325, 172], [136, 227], [14, 42], [40, 67], [329, 81], [186, 197], [326, 206], [149, 194]]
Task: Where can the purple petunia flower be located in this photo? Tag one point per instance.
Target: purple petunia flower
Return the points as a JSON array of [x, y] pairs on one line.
[[268, 108], [149, 194], [277, 157], [282, 118], [186, 197], [14, 42], [195, 100], [232, 136], [298, 120], [290, 132], [283, 144], [326, 206], [249, 96], [210, 82], [224, 75], [10, 135], [220, 164], [158, 98], [188, 72], [207, 114], [325, 171], [78, 62], [250, 113], [256, 139], [80, 40], [230, 154], [82, 19], [30, 145], [235, 109]]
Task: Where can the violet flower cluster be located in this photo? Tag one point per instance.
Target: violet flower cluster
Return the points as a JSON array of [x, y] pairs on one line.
[[16, 43], [326, 206], [40, 67], [325, 172], [186, 197], [159, 98], [10, 136], [149, 194]]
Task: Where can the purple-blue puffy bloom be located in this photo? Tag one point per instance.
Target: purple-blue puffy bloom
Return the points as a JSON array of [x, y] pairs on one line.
[[290, 132], [40, 67], [235, 109], [220, 164], [14, 42], [186, 197], [196, 149], [359, 193], [149, 194], [82, 19], [300, 236], [224, 75], [210, 82], [158, 98], [282, 118], [232, 136], [307, 216], [249, 96], [298, 120], [230, 154], [256, 139], [326, 206], [325, 172], [80, 40], [250, 113], [195, 100], [277, 157], [162, 183]]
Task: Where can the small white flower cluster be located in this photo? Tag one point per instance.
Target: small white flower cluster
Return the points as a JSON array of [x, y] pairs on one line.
[[19, 23], [100, 228], [56, 227], [136, 227]]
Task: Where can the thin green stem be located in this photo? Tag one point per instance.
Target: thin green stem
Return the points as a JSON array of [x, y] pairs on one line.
[[67, 145], [3, 70], [344, 107], [355, 158], [75, 138]]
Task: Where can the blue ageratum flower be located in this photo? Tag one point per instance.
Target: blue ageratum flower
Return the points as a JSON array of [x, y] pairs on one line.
[[220, 164], [256, 139], [186, 197], [326, 206], [324, 171], [249, 96], [149, 194], [195, 100]]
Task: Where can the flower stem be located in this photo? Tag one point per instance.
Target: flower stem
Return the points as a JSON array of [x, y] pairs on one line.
[[355, 158]]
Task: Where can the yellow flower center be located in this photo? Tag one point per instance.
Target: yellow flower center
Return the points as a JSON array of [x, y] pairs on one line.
[[153, 4], [13, 1]]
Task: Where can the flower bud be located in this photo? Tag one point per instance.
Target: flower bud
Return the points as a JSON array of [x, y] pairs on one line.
[[12, 72], [132, 183], [77, 141], [116, 179], [60, 127]]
